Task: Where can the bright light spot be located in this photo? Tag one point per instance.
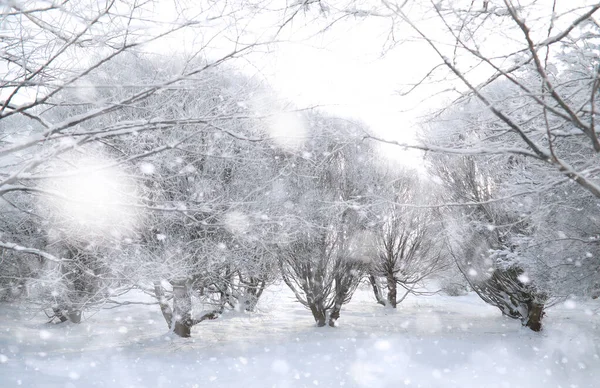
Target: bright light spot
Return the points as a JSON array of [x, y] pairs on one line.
[[122, 329], [570, 304], [165, 284], [472, 272], [91, 199], [236, 222], [73, 375], [3, 359], [189, 169], [288, 130], [523, 278], [382, 345], [93, 188], [45, 334], [147, 168]]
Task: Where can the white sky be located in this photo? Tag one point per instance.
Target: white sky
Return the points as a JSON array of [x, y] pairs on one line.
[[343, 70], [346, 71]]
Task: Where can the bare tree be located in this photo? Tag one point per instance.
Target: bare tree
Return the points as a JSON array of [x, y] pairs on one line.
[[78, 83], [405, 246], [50, 89], [532, 67], [326, 258], [561, 99], [480, 237], [406, 256], [203, 241]]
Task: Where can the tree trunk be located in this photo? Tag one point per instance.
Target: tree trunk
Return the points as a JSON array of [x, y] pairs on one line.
[[254, 290], [74, 315], [377, 290], [58, 313], [182, 330], [335, 314], [179, 319], [319, 314], [167, 313], [259, 292], [182, 309], [391, 296], [63, 315], [535, 314]]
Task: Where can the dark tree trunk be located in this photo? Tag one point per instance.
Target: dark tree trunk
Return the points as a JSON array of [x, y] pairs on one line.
[[179, 319], [515, 299], [182, 330], [254, 291], [377, 290], [335, 314], [535, 315], [319, 314], [259, 292], [71, 314], [182, 309], [391, 296], [74, 316], [58, 313], [166, 310]]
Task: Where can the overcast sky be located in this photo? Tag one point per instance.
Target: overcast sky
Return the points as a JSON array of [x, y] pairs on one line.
[[348, 71]]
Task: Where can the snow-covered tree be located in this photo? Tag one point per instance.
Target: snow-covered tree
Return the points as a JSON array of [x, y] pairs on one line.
[[524, 200], [54, 103], [405, 252], [327, 184], [203, 237], [482, 229]]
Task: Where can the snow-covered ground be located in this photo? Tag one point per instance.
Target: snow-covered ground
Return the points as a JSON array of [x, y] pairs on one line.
[[434, 341]]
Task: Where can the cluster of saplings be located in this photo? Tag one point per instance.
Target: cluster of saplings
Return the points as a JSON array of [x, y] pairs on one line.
[[223, 190]]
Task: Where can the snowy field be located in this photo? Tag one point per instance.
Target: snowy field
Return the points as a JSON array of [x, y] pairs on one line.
[[437, 341]]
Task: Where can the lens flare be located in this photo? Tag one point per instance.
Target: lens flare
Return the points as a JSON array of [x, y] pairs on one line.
[[91, 199]]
